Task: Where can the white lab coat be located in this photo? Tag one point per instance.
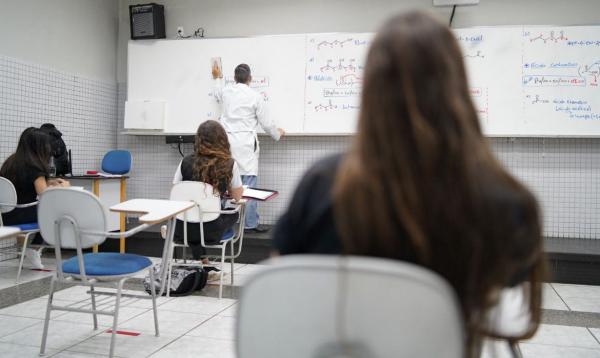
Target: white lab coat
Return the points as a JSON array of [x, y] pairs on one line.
[[243, 109]]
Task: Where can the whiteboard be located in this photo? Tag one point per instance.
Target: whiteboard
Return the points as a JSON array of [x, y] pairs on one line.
[[524, 80]]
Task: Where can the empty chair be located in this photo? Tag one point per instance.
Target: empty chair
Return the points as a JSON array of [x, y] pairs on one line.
[[75, 219], [117, 162], [208, 208], [333, 306], [8, 202]]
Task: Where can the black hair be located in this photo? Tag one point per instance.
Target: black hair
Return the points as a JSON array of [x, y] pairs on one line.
[[242, 73], [33, 150]]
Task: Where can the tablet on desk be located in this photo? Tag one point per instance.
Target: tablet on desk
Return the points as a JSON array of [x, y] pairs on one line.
[[259, 194]]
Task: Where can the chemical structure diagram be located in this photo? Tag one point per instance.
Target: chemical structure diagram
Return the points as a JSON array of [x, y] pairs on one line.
[[551, 37], [536, 99], [592, 70], [334, 43], [349, 79], [325, 107], [478, 54], [264, 96], [340, 66]]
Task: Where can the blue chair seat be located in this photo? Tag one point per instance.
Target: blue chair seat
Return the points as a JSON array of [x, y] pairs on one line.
[[27, 227], [228, 235], [107, 264]]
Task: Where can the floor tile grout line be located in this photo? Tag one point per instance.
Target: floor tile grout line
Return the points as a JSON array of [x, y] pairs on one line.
[[188, 331], [593, 335], [561, 298], [22, 329]]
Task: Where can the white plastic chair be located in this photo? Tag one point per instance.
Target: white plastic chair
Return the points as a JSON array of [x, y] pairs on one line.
[[306, 306], [511, 317], [207, 208], [8, 202], [76, 219]]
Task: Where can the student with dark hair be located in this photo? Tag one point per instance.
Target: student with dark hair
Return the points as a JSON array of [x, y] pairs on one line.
[[420, 182], [243, 110], [28, 170], [211, 163]]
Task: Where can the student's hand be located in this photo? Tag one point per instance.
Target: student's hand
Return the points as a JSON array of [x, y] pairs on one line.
[[281, 132], [59, 182], [216, 72]]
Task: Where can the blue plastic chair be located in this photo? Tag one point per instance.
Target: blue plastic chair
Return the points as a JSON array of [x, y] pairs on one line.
[[117, 162], [8, 202], [75, 219]]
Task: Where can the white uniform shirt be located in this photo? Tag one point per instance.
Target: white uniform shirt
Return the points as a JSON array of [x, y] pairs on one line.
[[236, 179], [243, 109]]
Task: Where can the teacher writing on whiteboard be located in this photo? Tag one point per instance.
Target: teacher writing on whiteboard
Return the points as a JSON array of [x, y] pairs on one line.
[[243, 109]]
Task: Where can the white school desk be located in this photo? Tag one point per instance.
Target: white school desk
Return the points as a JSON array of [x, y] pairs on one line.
[[154, 211], [8, 232], [110, 191]]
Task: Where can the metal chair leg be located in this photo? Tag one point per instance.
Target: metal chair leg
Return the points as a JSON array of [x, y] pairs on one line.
[[169, 270], [221, 273], [232, 261], [25, 241], [515, 351], [153, 291], [47, 319], [93, 296], [116, 318]]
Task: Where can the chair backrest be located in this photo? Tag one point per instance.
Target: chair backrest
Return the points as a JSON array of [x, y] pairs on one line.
[[8, 195], [117, 162], [200, 193], [82, 206], [332, 306]]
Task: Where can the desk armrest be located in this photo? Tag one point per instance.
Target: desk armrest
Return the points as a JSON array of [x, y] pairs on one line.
[[19, 206], [118, 235]]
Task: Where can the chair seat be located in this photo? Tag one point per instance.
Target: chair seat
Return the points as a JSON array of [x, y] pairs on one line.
[[107, 264], [27, 227], [228, 235]]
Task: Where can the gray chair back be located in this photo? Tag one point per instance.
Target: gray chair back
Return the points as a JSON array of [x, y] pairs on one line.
[[200, 193], [333, 306], [8, 195], [82, 207]]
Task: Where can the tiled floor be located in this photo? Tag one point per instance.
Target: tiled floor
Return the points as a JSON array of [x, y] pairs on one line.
[[200, 326]]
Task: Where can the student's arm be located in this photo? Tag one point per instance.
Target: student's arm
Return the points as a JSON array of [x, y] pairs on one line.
[[40, 185], [178, 177], [236, 193], [58, 182], [236, 189], [265, 122]]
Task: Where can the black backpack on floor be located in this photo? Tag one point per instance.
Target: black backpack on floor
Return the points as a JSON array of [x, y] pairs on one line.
[[184, 280]]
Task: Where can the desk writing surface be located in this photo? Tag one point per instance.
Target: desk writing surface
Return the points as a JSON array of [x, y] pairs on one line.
[[8, 232], [153, 210], [92, 177]]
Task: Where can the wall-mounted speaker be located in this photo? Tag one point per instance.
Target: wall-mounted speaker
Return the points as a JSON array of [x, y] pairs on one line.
[[147, 21]]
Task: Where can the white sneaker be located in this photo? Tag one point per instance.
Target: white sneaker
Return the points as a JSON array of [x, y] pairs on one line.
[[34, 258], [163, 231]]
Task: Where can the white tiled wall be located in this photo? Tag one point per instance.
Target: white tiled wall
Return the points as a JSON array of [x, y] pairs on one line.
[[563, 173], [83, 110]]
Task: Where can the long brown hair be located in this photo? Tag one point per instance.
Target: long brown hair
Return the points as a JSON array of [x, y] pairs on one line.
[[421, 183], [212, 156], [33, 150]]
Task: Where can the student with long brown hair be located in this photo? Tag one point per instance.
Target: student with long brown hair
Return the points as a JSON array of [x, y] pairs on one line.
[[420, 183], [211, 163]]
